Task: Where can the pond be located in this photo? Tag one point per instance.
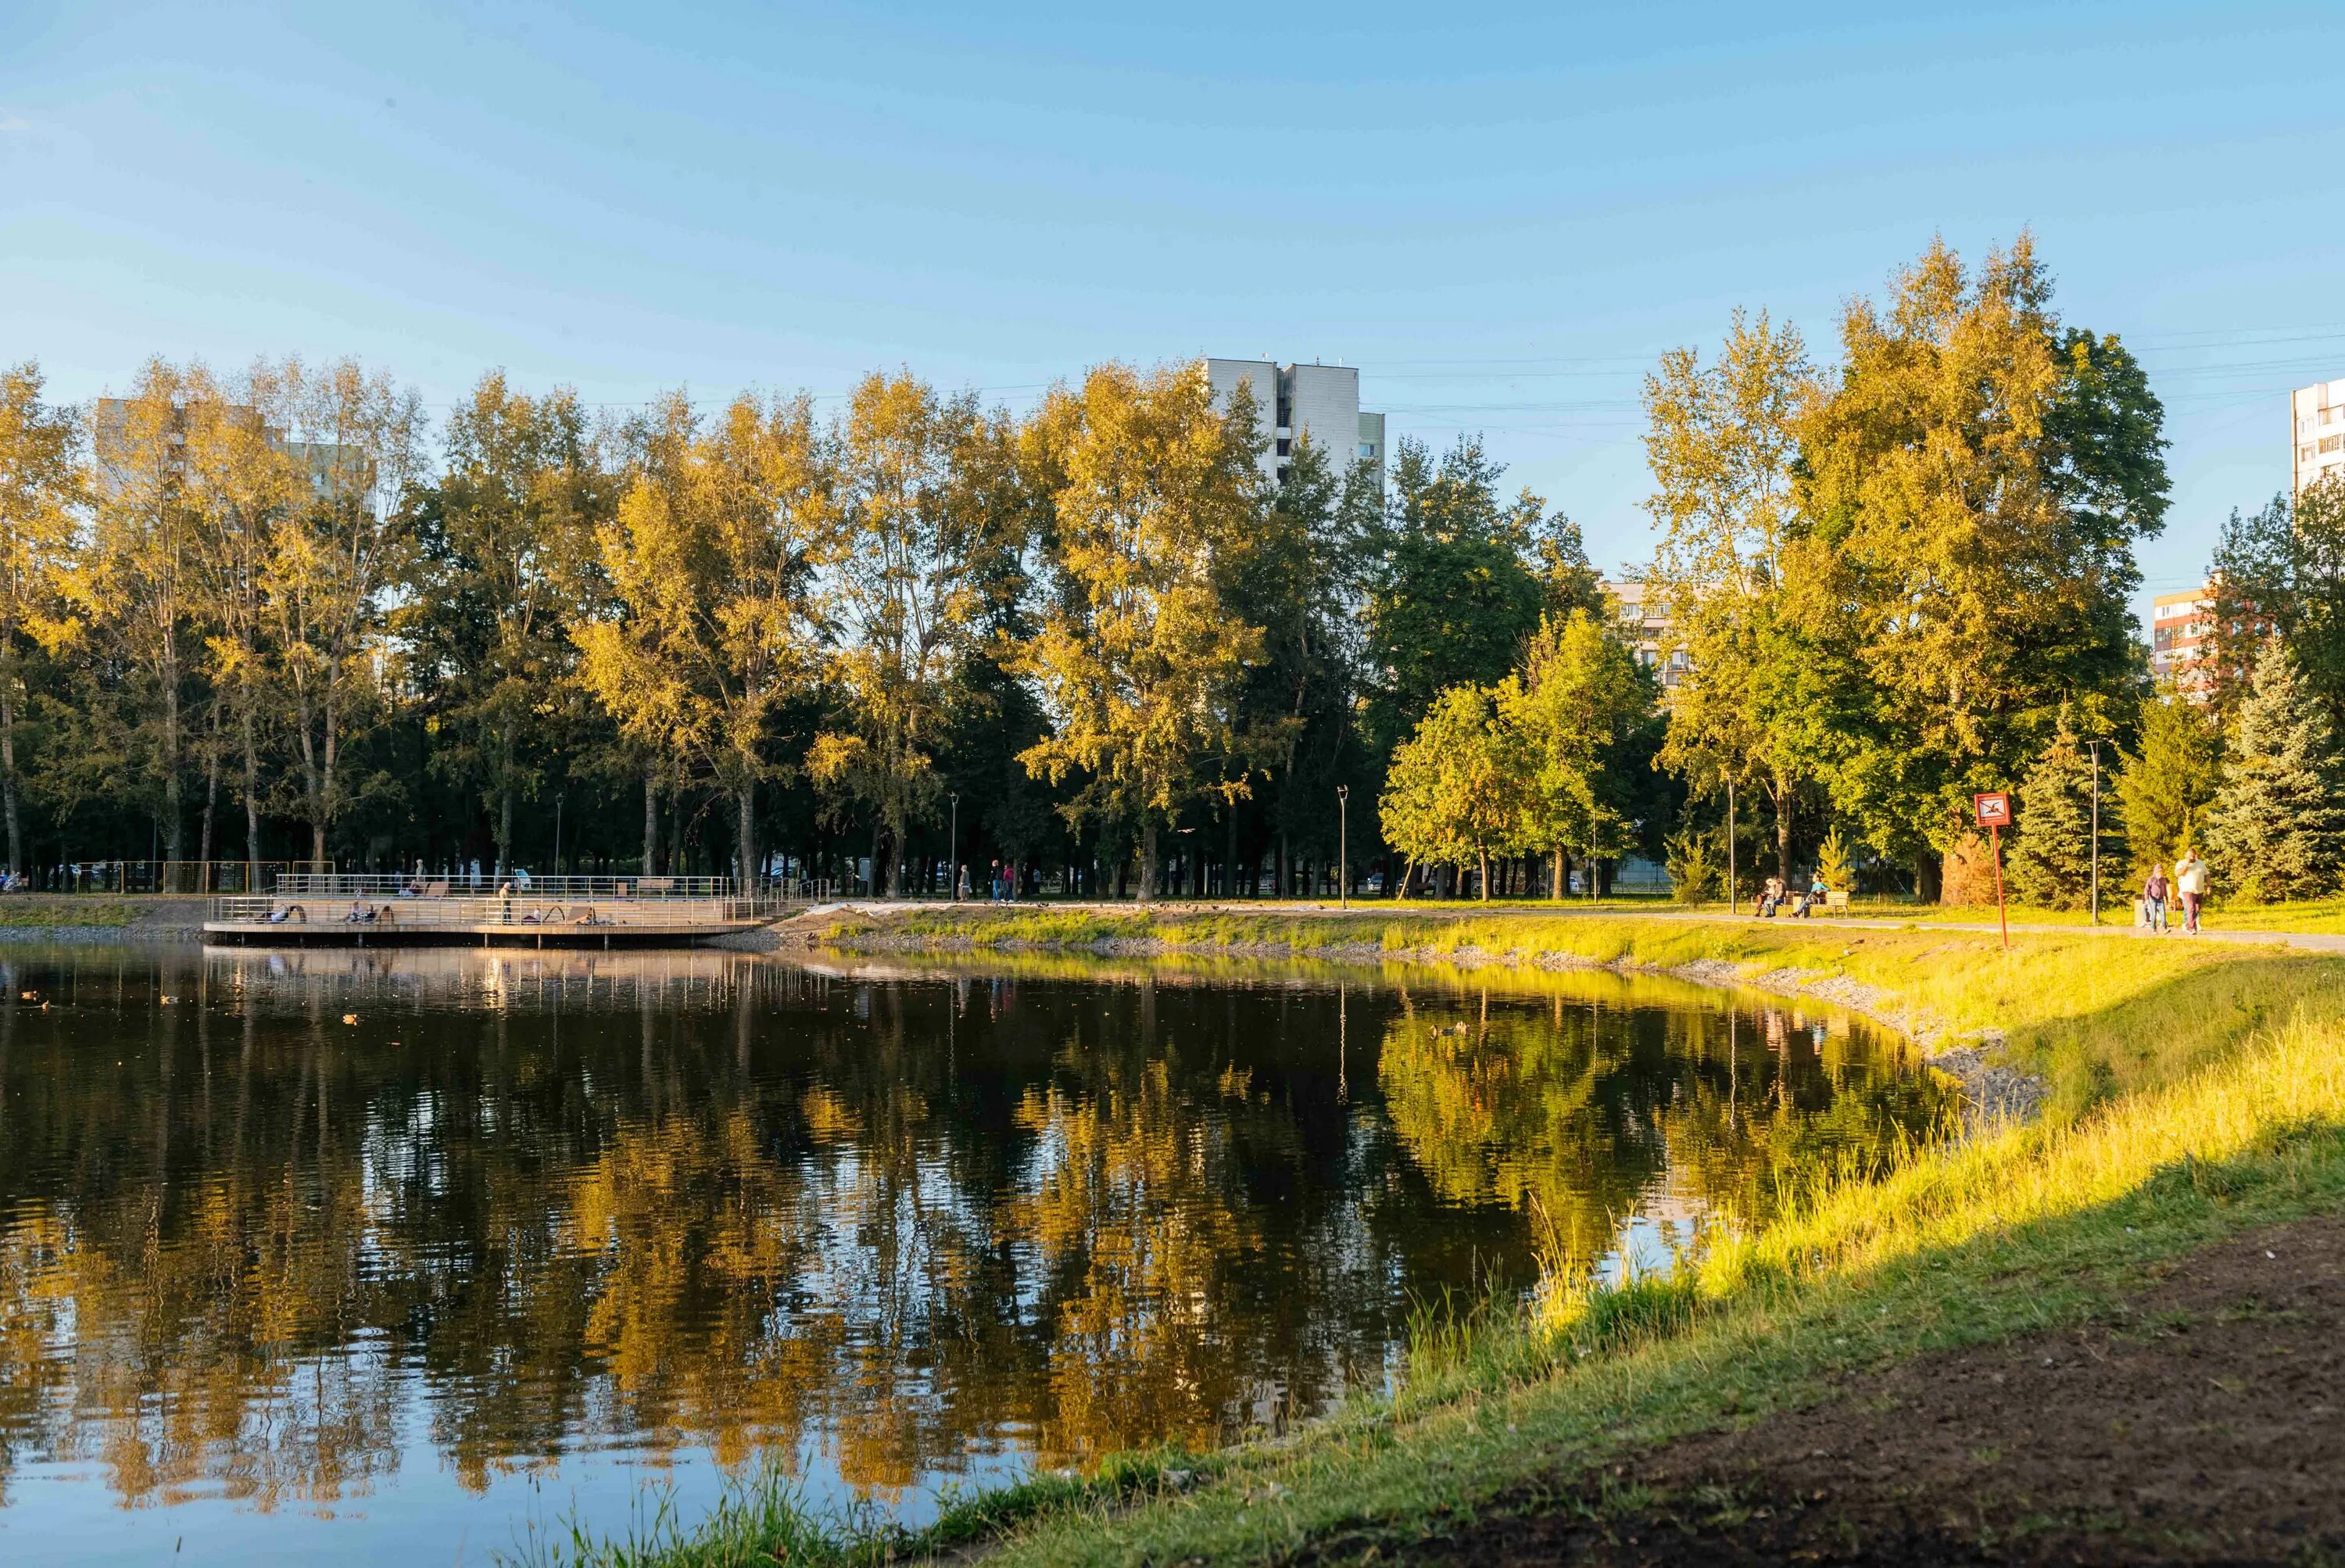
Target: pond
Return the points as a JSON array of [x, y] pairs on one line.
[[391, 1257]]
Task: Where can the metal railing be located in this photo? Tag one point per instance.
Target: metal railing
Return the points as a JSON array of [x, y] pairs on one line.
[[520, 912], [165, 876], [395, 884]]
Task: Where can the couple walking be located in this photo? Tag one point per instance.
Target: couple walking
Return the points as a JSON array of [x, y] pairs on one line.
[[2189, 882]]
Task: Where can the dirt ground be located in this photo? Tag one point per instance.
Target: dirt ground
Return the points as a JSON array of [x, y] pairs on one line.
[[2207, 1426]]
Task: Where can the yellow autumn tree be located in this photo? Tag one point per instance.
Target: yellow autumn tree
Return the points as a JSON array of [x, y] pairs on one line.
[[134, 588], [42, 488], [714, 561], [923, 538], [1139, 653], [357, 441]]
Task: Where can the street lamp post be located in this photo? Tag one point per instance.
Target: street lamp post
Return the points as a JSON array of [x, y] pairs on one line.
[[558, 798], [952, 852], [1343, 846]]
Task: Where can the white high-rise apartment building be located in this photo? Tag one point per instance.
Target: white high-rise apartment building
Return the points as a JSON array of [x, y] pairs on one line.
[[2317, 414], [1291, 399]]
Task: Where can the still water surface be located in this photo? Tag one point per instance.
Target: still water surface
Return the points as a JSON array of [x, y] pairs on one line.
[[383, 1255]]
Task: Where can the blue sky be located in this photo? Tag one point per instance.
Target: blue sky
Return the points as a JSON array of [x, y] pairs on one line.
[[1502, 215]]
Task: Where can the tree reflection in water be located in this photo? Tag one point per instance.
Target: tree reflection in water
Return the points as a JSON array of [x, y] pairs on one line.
[[886, 1221]]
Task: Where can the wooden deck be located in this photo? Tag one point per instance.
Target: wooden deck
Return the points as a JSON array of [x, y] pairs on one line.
[[329, 918]]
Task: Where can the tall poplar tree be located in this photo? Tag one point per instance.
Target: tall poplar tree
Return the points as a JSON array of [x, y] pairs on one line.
[[1720, 441], [1137, 653], [243, 489], [135, 585], [714, 561], [511, 537], [923, 532], [42, 486], [346, 550]]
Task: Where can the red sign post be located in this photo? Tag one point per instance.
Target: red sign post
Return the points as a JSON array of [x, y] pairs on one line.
[[1993, 813]]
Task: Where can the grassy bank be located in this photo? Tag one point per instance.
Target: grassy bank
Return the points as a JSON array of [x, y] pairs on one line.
[[2203, 1093], [20, 911], [2090, 1015]]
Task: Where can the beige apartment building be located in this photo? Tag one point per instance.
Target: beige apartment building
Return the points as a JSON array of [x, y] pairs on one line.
[[1644, 624], [2318, 415], [2180, 626]]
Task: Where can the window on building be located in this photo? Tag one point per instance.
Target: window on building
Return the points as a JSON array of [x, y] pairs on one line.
[[1367, 449], [1285, 447]]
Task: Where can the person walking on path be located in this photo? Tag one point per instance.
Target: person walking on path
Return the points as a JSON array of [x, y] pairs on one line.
[[2154, 893], [2190, 878]]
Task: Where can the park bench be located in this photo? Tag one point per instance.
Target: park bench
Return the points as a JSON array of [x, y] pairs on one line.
[[1836, 900], [655, 884]]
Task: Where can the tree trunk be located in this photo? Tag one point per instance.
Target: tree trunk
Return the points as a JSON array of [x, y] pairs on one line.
[[1929, 882], [1148, 863], [505, 830], [747, 830], [651, 824], [211, 806], [251, 798], [1555, 893], [172, 796], [322, 815], [8, 774], [1783, 830], [1483, 887]]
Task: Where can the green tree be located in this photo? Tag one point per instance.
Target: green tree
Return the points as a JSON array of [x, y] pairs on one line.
[[1971, 493], [2050, 863], [1571, 707], [509, 534], [1456, 586], [1721, 443], [714, 560], [1301, 576], [242, 489], [2277, 827], [1457, 788], [345, 552], [1138, 652], [2281, 571], [43, 488], [2165, 783]]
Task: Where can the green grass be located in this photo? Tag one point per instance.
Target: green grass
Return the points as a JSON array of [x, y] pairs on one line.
[[28, 909], [2202, 1093]]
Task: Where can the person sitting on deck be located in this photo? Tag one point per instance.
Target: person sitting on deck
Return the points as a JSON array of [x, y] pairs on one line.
[[360, 911]]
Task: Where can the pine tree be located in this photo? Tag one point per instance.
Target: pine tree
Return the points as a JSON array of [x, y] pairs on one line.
[[2277, 828], [2051, 862], [2164, 787]]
